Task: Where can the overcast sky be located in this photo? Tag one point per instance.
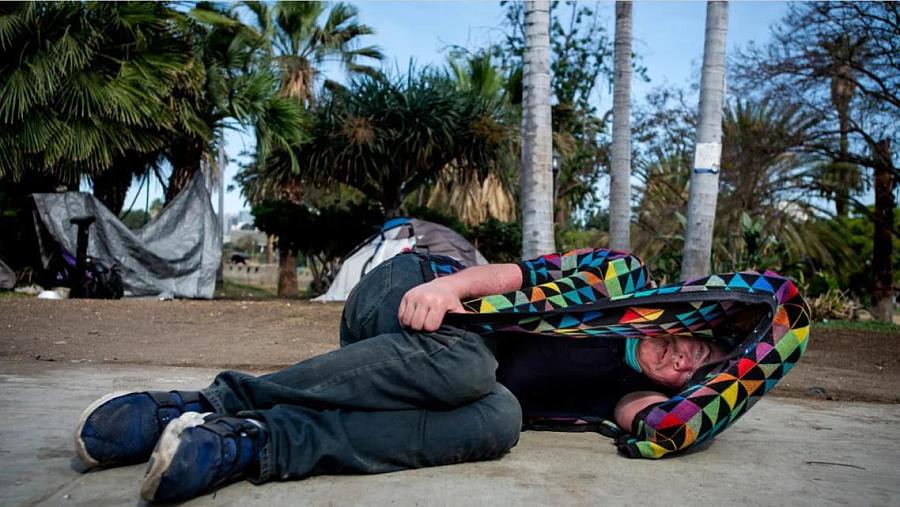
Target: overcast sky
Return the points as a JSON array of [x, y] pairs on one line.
[[668, 37]]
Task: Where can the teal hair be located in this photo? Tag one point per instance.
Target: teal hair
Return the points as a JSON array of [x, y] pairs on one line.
[[631, 345]]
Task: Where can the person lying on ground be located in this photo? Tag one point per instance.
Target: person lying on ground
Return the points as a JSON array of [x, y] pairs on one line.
[[404, 390]]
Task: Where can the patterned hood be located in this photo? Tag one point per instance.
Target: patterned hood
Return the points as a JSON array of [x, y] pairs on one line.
[[760, 317]]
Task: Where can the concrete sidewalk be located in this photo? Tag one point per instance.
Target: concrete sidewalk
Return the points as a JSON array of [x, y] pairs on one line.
[[782, 452]]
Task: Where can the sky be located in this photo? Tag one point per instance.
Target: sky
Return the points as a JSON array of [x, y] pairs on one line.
[[668, 38]]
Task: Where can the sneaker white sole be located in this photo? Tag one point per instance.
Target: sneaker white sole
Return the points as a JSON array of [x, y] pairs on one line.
[[80, 448], [165, 451]]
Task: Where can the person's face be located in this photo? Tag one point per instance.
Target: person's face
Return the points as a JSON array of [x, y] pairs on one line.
[[673, 360]]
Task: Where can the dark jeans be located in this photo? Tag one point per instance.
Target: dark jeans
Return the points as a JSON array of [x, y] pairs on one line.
[[388, 399]]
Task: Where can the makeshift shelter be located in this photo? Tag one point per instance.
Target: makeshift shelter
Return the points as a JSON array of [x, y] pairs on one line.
[[396, 236], [7, 276], [174, 255]]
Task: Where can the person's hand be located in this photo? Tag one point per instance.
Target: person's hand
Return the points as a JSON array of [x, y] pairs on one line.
[[423, 307]]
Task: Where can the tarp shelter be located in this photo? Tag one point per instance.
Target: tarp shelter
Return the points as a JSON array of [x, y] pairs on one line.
[[174, 255], [396, 236], [7, 276]]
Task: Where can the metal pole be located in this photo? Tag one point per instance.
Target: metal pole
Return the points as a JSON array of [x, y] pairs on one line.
[[84, 226], [223, 161]]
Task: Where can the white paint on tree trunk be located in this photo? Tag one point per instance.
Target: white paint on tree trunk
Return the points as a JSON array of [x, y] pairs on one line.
[[704, 184], [537, 145], [620, 164]]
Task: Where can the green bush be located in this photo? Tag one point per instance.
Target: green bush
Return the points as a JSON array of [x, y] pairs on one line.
[[322, 236], [575, 239], [498, 241], [849, 241]]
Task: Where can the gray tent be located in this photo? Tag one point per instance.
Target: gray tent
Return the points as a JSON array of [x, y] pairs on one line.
[[7, 276], [175, 255], [398, 235]]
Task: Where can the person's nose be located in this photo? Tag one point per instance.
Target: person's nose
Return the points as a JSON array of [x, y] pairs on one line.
[[684, 362]]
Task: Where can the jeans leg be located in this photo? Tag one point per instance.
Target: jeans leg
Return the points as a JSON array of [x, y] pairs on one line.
[[305, 442], [395, 371], [372, 306]]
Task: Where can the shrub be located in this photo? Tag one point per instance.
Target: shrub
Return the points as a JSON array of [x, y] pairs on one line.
[[498, 241]]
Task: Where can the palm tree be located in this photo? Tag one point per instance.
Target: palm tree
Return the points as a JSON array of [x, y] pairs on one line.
[[537, 178], [299, 42], [843, 87], [766, 175], [389, 137], [620, 166], [708, 148], [85, 88], [231, 82], [301, 38], [663, 190], [303, 45], [459, 191]]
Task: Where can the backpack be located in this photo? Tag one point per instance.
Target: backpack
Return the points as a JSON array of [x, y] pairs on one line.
[[99, 282]]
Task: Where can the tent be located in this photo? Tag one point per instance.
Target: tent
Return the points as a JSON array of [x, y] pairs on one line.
[[174, 255], [7, 276], [396, 236]]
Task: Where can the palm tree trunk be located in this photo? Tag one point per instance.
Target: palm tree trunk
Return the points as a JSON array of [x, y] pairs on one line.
[[843, 86], [620, 167], [185, 156], [287, 273], [704, 186], [111, 187], [537, 144], [882, 247], [842, 192]]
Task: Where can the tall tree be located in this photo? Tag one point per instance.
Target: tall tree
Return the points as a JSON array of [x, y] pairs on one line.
[[843, 88], [704, 187], [471, 196], [85, 88], [233, 83], [388, 137], [620, 162], [537, 143], [765, 174], [302, 37], [883, 278], [581, 63], [839, 60]]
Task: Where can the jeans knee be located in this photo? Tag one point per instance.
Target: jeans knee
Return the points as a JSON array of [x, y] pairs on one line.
[[472, 381], [461, 368], [505, 419]]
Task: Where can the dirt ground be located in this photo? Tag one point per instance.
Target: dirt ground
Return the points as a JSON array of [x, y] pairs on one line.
[[845, 365]]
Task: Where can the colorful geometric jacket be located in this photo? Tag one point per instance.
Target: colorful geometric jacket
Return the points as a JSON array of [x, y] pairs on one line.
[[760, 317]]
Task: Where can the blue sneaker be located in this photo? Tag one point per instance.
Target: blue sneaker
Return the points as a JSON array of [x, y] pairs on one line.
[[122, 428], [200, 452]]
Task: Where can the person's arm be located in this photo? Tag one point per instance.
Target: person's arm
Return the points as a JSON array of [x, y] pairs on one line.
[[632, 403], [423, 307], [552, 267]]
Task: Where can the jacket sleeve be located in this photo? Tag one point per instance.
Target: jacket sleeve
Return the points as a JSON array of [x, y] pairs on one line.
[[558, 281], [552, 267]]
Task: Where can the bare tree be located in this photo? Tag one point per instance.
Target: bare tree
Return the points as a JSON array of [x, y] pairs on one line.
[[839, 60], [704, 187], [537, 145], [620, 167]]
